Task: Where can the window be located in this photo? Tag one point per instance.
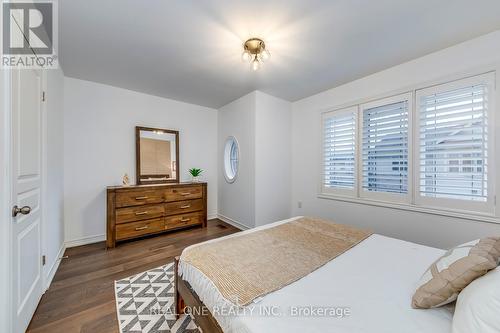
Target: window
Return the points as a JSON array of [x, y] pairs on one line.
[[339, 167], [454, 161], [231, 159], [429, 149], [385, 147]]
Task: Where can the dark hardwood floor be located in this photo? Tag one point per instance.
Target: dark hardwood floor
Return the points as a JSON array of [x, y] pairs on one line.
[[81, 297]]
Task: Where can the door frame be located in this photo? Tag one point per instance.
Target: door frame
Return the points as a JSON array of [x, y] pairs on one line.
[[5, 200], [44, 174], [6, 204]]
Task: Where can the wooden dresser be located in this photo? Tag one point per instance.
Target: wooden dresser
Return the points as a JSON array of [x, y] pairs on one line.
[[136, 211]]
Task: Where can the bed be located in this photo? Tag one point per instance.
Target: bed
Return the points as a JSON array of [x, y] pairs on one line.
[[368, 288]]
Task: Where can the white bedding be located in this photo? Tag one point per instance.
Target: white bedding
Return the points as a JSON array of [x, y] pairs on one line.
[[374, 281]]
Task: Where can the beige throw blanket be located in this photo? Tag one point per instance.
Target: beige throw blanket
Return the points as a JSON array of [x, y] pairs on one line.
[[255, 264]]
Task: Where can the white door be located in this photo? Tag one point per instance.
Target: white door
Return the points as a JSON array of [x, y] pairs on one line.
[[26, 258]]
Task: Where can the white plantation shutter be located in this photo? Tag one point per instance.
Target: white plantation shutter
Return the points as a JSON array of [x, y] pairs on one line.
[[453, 136], [339, 150], [385, 145], [430, 149]]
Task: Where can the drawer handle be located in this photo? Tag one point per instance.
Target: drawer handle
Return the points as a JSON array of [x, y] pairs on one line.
[[185, 193], [186, 206], [141, 228], [185, 220], [141, 198], [141, 213]]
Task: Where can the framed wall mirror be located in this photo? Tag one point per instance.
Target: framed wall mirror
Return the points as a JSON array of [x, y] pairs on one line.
[[157, 155]]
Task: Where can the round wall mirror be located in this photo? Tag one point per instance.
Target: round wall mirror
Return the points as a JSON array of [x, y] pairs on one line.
[[231, 159]]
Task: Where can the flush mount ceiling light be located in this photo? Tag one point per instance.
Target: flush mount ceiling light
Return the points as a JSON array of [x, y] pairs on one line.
[[255, 52]]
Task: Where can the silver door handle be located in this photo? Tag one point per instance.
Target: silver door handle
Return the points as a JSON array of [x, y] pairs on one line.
[[23, 210]]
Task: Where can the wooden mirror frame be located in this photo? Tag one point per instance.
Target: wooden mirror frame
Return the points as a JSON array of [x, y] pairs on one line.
[[138, 130]]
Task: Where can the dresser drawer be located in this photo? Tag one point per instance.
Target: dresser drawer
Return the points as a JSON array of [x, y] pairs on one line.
[[138, 213], [183, 193], [134, 229], [182, 207], [136, 198], [183, 220]]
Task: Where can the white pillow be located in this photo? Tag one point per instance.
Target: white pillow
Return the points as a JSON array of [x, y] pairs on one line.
[[478, 306]]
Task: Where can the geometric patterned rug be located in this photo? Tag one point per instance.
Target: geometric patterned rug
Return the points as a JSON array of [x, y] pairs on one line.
[[145, 303]]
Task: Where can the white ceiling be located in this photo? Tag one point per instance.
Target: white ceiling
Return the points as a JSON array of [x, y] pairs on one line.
[[190, 50]]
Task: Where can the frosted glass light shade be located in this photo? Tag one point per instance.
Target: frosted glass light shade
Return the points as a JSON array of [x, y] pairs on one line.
[[245, 56]]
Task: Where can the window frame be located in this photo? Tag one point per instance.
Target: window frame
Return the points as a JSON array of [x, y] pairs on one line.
[[457, 208], [386, 196], [343, 192], [487, 207], [226, 159]]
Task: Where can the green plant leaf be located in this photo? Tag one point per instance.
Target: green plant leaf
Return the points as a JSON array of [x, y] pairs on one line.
[[195, 172]]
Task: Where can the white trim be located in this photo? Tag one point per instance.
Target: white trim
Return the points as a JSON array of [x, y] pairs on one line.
[[55, 266], [211, 216], [413, 208], [44, 173], [5, 203], [233, 222], [84, 240], [226, 159]]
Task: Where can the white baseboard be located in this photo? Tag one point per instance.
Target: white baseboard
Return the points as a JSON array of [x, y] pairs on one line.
[[85, 240], [55, 266], [100, 238], [232, 222]]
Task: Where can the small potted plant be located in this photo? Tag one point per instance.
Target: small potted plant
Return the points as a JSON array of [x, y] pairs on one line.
[[195, 173]]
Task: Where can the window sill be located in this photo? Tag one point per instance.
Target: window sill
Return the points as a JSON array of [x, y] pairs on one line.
[[412, 208]]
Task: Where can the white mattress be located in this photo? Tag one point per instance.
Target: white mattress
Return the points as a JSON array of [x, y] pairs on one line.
[[374, 280]]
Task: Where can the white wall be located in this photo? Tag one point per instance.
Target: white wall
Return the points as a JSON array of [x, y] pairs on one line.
[[261, 193], [53, 225], [99, 147], [236, 202], [273, 120], [472, 57]]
